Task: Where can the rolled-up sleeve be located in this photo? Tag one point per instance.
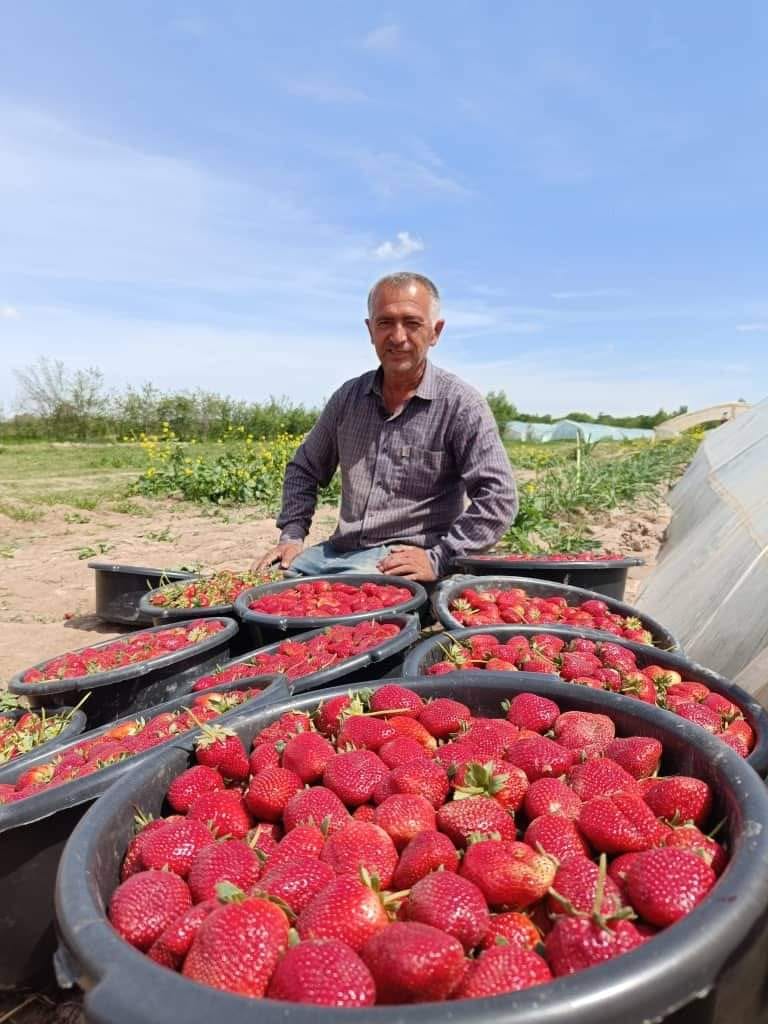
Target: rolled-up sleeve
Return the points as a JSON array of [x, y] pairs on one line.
[[484, 467], [312, 467]]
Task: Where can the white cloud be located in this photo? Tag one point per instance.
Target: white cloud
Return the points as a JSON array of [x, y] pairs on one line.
[[385, 38], [324, 92], [9, 313], [404, 245], [752, 328], [389, 174], [593, 293]]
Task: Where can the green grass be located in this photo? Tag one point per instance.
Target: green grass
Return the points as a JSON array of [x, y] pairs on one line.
[[20, 513]]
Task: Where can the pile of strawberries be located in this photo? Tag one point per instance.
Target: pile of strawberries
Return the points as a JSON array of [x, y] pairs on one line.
[[512, 606], [119, 743], [325, 599], [401, 851], [603, 665], [295, 658], [21, 735], [134, 648], [220, 589], [571, 556]]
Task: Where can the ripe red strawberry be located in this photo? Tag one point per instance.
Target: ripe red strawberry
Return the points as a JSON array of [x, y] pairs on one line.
[[551, 796], [459, 819], [323, 972], [264, 837], [680, 798], [600, 777], [392, 697], [493, 736], [440, 668], [269, 792], [509, 874], [576, 943], [221, 749], [576, 663], [353, 776], [404, 725], [316, 806], [575, 886], [557, 836], [143, 826], [546, 644], [691, 838], [297, 882], [638, 755], [237, 947], [617, 872], [505, 783], [175, 846], [428, 851], [578, 729], [740, 735], [613, 655], [402, 750], [145, 904], [412, 962], [265, 755], [620, 823], [229, 861], [192, 783], [700, 714], [540, 757], [665, 885], [224, 812], [306, 755], [442, 717], [452, 904], [361, 844], [502, 969], [287, 725], [347, 910], [403, 816], [363, 732], [301, 841], [329, 713], [512, 927], [421, 778], [173, 944], [539, 664]]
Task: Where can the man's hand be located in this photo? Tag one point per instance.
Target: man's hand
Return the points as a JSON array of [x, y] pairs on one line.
[[282, 553], [412, 563]]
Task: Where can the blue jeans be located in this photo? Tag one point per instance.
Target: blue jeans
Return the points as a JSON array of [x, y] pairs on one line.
[[324, 559]]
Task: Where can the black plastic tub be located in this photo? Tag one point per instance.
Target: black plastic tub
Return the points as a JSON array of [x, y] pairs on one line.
[[607, 576], [265, 629], [119, 589], [33, 833], [712, 966], [426, 653], [135, 687], [75, 725], [450, 589], [375, 663]]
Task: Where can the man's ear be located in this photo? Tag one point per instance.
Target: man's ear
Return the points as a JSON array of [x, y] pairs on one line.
[[438, 329], [370, 332]]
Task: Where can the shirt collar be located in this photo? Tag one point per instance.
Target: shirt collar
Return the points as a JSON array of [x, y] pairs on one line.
[[427, 388]]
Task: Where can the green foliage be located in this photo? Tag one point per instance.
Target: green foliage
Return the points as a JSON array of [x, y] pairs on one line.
[[503, 410]]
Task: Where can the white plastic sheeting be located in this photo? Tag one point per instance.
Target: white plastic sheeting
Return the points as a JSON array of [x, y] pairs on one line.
[[711, 585], [569, 430]]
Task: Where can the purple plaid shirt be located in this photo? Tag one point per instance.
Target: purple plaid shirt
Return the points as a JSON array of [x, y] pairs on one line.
[[405, 478]]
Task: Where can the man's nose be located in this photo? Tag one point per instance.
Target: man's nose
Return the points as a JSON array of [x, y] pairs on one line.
[[399, 334]]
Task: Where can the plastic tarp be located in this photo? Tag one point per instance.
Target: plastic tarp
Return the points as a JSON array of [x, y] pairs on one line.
[[710, 587], [569, 430]]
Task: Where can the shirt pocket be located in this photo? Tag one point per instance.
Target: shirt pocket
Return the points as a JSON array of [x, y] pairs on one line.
[[421, 472]]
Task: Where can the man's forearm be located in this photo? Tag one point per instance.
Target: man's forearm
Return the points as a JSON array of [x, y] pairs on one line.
[[299, 503], [483, 522]]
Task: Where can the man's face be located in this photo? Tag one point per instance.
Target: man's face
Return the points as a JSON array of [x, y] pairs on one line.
[[402, 329]]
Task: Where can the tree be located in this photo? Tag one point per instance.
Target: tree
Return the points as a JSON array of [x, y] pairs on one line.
[[67, 402], [503, 410]]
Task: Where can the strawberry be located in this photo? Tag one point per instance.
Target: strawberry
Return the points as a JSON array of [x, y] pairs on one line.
[[230, 861], [269, 792], [353, 776], [697, 713], [451, 903], [302, 841], [505, 783], [600, 777], [223, 811], [576, 663], [508, 873], [613, 655], [620, 823], [287, 725], [577, 729], [617, 872], [492, 735], [363, 732], [501, 665], [440, 668], [265, 755], [540, 757], [574, 889], [412, 962], [421, 778], [264, 837], [175, 846], [145, 904], [557, 836], [296, 882], [576, 943], [192, 783], [392, 697], [237, 947], [323, 972], [503, 969], [172, 945], [144, 826], [317, 806], [551, 796], [306, 755], [638, 755], [328, 715], [359, 845], [221, 749], [691, 838], [511, 927], [414, 730], [428, 851], [539, 664], [346, 909], [680, 798], [665, 885], [639, 686], [442, 717], [402, 750], [481, 814], [403, 816], [546, 644]]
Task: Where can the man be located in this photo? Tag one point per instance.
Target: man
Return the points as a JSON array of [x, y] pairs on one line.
[[413, 442]]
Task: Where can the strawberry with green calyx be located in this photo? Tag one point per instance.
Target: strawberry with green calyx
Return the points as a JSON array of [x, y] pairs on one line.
[[505, 783], [412, 962], [296, 882], [508, 873], [349, 909], [442, 717], [511, 927], [145, 904], [574, 889], [556, 836], [143, 826], [322, 972], [316, 806], [460, 819], [175, 846], [666, 884], [501, 969], [638, 755], [680, 798], [361, 845], [688, 836], [230, 860], [224, 812], [221, 749]]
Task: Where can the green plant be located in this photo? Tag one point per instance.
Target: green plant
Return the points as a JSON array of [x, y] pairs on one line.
[[163, 535], [101, 548], [20, 513], [76, 517]]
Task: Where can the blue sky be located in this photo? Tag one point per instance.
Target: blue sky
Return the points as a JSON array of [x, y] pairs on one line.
[[201, 195]]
